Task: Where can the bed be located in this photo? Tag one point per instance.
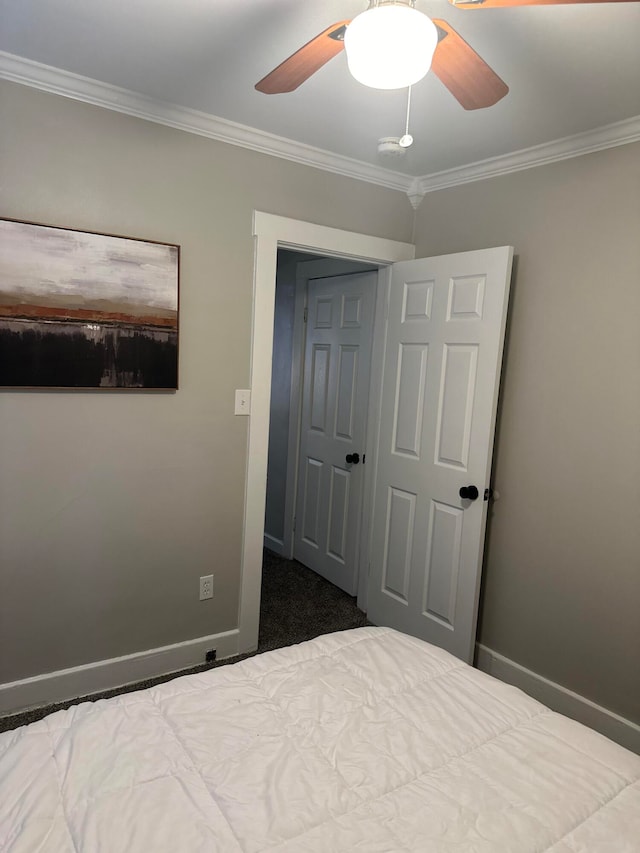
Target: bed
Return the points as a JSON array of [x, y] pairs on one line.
[[365, 740]]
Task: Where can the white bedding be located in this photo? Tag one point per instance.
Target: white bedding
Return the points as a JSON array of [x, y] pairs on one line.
[[366, 740]]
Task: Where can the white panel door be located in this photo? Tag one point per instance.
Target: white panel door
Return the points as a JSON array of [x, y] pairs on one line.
[[333, 425], [440, 384]]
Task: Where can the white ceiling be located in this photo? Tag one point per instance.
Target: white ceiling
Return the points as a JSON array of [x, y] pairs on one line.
[[570, 69]]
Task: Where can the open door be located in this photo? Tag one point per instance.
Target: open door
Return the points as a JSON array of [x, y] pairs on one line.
[[439, 395]]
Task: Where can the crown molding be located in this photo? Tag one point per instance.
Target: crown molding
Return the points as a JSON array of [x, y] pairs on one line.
[[58, 82], [608, 136], [17, 69]]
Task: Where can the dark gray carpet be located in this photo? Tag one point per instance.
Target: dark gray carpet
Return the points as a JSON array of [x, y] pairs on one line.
[[296, 605]]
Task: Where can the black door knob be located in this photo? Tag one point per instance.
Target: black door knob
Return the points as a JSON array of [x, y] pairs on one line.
[[469, 493], [352, 458]]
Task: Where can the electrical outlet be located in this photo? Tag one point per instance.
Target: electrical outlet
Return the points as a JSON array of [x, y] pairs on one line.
[[206, 587]]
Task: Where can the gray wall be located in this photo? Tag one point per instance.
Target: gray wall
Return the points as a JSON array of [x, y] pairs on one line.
[[562, 574], [113, 504]]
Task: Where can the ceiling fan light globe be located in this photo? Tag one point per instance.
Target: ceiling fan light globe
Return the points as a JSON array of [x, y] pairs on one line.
[[390, 47]]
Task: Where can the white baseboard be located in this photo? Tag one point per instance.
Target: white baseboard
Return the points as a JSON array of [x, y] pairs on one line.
[[559, 698], [273, 544], [102, 675]]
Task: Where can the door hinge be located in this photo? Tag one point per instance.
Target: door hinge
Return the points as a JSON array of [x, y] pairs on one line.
[[305, 313], [294, 523]]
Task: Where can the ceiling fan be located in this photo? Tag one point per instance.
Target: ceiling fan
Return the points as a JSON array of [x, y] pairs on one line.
[[472, 82]]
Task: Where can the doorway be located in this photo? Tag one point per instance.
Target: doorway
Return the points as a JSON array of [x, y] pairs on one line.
[[272, 232]]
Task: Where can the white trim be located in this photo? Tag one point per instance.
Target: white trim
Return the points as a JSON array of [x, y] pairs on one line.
[[270, 232], [79, 88], [609, 136], [17, 69], [102, 675], [416, 193], [559, 698], [274, 544], [280, 231]]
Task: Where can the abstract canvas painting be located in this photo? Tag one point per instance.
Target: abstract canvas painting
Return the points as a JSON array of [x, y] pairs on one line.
[[84, 310]]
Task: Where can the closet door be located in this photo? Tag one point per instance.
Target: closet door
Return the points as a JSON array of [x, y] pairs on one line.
[[335, 394]]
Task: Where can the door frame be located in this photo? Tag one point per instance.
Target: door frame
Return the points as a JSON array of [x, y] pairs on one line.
[[271, 232]]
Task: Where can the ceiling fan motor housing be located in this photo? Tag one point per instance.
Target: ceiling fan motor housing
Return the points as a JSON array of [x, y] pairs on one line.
[[374, 3]]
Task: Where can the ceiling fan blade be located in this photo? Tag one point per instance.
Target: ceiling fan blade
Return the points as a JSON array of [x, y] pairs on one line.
[[465, 74], [492, 4], [304, 62]]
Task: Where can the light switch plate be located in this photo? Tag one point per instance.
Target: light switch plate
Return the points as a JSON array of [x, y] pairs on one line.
[[243, 402]]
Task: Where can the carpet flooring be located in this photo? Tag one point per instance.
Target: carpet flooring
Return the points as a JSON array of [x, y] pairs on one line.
[[296, 605]]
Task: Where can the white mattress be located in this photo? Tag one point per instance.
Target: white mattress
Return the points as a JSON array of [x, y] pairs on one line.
[[365, 740]]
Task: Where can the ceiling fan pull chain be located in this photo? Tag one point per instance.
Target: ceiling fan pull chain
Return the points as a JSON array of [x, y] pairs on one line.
[[407, 140]]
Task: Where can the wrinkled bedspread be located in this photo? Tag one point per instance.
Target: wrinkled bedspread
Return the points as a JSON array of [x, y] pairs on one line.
[[365, 740]]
